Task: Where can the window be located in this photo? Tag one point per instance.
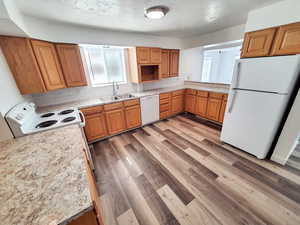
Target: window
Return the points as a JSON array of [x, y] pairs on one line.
[[105, 64], [218, 65]]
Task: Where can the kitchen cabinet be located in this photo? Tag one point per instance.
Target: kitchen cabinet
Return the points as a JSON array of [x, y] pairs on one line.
[[165, 63], [174, 63], [223, 109], [49, 65], [143, 55], [88, 218], [72, 66], [164, 105], [201, 106], [23, 65], [190, 101], [95, 127], [258, 43], [213, 108], [155, 55], [115, 121], [132, 113], [287, 40], [177, 104]]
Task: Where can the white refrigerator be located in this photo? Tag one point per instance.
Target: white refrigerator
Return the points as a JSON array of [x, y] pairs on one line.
[[258, 97]]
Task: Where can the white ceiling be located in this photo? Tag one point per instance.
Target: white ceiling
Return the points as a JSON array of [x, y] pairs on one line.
[[186, 17]]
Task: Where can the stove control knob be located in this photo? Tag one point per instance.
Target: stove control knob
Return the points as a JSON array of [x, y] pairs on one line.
[[20, 116]]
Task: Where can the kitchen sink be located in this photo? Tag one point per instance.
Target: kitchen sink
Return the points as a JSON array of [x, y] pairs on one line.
[[118, 97]]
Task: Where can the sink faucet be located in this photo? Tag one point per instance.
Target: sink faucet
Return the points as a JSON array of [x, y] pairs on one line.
[[115, 88]]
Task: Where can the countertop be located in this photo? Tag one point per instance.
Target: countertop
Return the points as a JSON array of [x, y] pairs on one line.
[[43, 178], [106, 100]]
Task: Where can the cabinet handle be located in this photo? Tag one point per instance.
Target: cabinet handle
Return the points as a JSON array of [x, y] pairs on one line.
[[237, 77]]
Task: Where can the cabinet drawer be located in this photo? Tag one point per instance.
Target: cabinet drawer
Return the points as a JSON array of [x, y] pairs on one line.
[[164, 115], [191, 92], [164, 95], [164, 101], [112, 106], [179, 92], [132, 102], [216, 95], [92, 110], [164, 107], [202, 93]]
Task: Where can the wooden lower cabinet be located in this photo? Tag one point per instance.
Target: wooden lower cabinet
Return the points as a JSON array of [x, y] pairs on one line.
[[190, 103], [201, 106], [213, 108], [115, 121], [133, 116], [95, 126], [177, 104], [222, 110], [88, 218]]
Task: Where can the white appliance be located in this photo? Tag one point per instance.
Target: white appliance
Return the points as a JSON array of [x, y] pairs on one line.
[[257, 100], [23, 119], [150, 109]]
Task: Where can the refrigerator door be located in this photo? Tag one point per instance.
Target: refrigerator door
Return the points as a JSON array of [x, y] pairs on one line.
[[251, 120], [269, 74]]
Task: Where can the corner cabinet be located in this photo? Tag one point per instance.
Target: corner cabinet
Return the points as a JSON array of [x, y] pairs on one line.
[[48, 62], [72, 66]]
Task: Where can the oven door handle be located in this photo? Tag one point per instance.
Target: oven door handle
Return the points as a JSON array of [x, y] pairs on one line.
[[82, 124]]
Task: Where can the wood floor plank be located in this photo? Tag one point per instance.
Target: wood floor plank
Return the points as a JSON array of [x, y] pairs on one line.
[[107, 210], [158, 207], [127, 218]]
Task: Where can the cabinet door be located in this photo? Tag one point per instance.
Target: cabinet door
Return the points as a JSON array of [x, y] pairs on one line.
[[165, 63], [213, 108], [88, 218], [258, 43], [201, 106], [174, 63], [177, 104], [133, 116], [47, 59], [115, 121], [155, 55], [71, 62], [21, 60], [143, 55], [190, 103], [95, 126], [287, 40], [222, 111]]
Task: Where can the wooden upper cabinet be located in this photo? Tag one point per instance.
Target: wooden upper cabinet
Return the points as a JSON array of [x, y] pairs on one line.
[[71, 62], [155, 55], [143, 55], [213, 108], [21, 60], [287, 40], [174, 62], [115, 121], [133, 116], [48, 62], [258, 43], [165, 63]]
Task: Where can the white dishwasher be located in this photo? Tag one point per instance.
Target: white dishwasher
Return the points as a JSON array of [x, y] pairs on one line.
[[150, 109]]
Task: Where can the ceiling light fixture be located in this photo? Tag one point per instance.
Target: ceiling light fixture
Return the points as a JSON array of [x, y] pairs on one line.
[[156, 12]]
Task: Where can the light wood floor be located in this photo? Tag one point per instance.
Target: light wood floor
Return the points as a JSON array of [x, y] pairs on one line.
[[177, 171]]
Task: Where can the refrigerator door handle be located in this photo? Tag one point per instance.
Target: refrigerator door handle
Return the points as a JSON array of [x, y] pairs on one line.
[[237, 77], [234, 93]]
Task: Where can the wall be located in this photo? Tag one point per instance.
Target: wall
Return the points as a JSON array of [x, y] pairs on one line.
[[289, 134], [280, 13], [227, 35]]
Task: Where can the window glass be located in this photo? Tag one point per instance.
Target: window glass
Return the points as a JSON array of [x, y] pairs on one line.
[[105, 63]]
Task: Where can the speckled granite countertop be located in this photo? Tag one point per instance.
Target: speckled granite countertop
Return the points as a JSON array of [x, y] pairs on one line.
[[105, 100], [43, 178]]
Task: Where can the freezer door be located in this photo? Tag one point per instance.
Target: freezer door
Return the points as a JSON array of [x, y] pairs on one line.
[[252, 119], [269, 74]]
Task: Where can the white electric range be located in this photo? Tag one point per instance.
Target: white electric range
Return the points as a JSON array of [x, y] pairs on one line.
[[23, 119]]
